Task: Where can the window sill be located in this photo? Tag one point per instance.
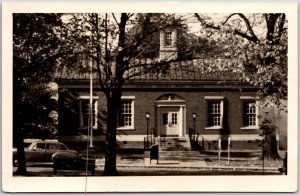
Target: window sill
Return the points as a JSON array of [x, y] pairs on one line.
[[86, 128], [250, 128], [126, 128], [216, 127]]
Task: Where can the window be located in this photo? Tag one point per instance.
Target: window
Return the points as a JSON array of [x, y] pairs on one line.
[[85, 118], [168, 38], [126, 113], [214, 112], [174, 118], [249, 114]]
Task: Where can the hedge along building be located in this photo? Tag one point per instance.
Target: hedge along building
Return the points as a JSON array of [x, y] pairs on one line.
[[186, 104]]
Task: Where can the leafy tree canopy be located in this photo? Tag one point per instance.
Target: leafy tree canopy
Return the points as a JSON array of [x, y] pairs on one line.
[[256, 45], [36, 50]]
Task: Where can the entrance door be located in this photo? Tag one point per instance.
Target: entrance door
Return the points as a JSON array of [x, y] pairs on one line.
[[170, 123]]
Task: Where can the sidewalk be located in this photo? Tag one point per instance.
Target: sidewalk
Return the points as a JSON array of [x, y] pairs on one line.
[[201, 161], [169, 164]]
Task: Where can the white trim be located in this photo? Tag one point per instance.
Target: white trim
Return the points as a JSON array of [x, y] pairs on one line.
[[181, 117], [214, 97], [95, 121], [235, 137], [250, 128], [170, 105], [125, 128], [127, 97], [249, 98], [128, 128], [169, 101], [214, 127], [131, 137], [84, 97], [257, 102], [207, 137], [257, 113]]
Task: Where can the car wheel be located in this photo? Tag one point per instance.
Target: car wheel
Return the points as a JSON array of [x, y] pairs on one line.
[[15, 163], [93, 171], [54, 169]]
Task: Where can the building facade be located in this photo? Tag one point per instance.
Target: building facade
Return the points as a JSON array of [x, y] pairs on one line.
[[216, 110]]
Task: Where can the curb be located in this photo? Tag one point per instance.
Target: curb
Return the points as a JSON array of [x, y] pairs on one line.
[[232, 168]]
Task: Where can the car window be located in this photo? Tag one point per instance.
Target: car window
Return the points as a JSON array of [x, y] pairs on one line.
[[51, 147], [38, 146], [61, 147], [55, 146]]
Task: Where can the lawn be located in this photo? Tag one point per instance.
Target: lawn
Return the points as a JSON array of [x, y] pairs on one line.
[[243, 162]]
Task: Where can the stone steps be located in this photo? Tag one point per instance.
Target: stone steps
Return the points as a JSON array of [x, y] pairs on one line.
[[180, 155], [177, 149], [174, 144]]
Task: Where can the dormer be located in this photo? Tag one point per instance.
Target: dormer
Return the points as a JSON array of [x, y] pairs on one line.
[[168, 44]]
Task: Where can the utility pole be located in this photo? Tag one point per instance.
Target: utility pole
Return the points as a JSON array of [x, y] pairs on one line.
[[91, 104]]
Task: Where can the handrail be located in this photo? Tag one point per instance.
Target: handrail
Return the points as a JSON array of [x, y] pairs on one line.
[[194, 137], [151, 141]]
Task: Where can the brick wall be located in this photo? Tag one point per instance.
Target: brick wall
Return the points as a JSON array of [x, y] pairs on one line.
[[195, 102]]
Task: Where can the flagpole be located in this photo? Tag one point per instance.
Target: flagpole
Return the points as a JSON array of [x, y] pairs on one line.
[[91, 103]]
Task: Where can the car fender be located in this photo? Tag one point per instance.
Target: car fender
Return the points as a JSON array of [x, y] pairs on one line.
[[65, 155]]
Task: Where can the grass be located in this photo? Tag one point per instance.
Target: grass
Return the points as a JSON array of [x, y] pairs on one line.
[[244, 163]]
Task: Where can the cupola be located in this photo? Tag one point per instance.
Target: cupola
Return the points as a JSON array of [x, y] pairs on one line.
[[168, 44]]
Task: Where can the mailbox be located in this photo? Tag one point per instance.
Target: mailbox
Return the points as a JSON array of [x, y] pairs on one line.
[[154, 153]]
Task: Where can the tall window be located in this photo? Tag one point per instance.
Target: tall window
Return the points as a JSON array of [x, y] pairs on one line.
[[215, 112], [85, 117], [249, 114], [168, 38], [126, 113]]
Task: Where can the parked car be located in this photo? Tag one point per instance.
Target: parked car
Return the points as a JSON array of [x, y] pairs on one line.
[[70, 161], [56, 154], [41, 152]]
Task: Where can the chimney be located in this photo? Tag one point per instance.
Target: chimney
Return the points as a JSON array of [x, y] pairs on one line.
[[168, 44]]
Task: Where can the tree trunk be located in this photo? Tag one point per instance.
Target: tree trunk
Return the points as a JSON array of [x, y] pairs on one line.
[[271, 152], [110, 168], [20, 153]]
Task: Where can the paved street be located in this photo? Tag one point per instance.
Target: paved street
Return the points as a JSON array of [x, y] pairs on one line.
[[140, 167], [153, 171]]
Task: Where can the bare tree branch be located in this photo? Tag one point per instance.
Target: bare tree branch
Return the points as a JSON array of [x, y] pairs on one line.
[[203, 22], [250, 29], [236, 31], [115, 18], [280, 27], [226, 20], [130, 15], [271, 23]]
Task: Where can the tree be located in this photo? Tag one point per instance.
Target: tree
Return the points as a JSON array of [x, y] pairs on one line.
[[189, 45], [36, 52], [268, 141], [256, 45], [115, 43], [257, 48]]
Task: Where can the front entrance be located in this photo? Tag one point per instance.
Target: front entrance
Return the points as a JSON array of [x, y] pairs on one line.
[[170, 116], [169, 121]]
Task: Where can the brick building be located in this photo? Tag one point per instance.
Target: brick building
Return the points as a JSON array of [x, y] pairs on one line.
[[211, 109]]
